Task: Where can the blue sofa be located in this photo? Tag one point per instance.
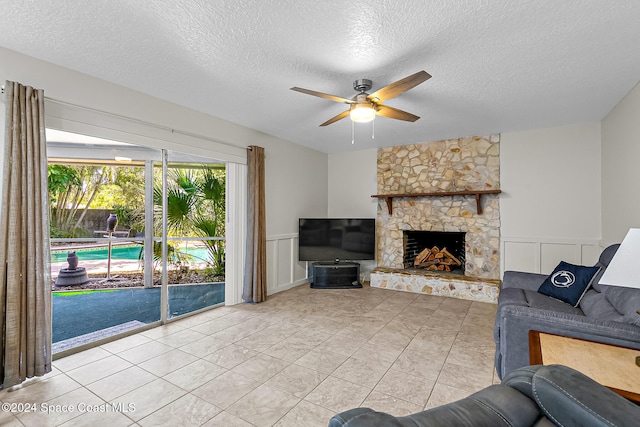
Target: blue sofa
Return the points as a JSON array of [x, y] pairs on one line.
[[607, 314]]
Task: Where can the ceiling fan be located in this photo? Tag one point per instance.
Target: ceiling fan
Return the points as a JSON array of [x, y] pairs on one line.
[[364, 107]]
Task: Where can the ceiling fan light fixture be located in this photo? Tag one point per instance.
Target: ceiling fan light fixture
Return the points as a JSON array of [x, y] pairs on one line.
[[362, 113]]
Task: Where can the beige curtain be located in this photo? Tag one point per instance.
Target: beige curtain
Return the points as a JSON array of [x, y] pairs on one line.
[[25, 285], [255, 267]]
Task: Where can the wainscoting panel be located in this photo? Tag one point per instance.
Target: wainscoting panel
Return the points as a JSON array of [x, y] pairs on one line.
[[541, 255], [284, 271]]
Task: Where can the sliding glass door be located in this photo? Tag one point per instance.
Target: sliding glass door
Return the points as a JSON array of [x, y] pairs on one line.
[[137, 236]]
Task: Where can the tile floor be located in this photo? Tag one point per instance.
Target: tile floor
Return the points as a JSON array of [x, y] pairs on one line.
[[295, 360]]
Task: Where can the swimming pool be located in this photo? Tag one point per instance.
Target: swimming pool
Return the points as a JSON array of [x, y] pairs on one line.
[[125, 252]]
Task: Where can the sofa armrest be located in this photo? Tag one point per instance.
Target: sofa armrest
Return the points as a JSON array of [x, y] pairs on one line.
[[514, 323], [522, 280], [492, 406], [570, 398]]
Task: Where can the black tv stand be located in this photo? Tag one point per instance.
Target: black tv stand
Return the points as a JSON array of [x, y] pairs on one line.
[[336, 275]]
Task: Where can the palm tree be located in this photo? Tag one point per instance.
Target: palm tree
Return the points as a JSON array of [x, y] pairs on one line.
[[196, 207]]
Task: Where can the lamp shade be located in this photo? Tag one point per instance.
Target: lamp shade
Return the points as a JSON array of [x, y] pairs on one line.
[[362, 113], [624, 268]]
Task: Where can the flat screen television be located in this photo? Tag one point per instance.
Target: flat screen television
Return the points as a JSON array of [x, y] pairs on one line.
[[336, 239]]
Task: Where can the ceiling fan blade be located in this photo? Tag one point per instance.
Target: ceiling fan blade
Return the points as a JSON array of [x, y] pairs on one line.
[[323, 95], [394, 89], [394, 113], [336, 118]]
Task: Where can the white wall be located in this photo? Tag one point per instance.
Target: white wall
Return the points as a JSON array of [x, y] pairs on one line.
[[296, 181], [550, 201], [621, 168], [352, 182], [296, 177]]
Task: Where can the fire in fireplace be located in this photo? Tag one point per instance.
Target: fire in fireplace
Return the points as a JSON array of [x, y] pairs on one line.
[[434, 250]]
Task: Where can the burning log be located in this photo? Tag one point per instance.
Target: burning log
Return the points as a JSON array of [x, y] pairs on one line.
[[436, 259]]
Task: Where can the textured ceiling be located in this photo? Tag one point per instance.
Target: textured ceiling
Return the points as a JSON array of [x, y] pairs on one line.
[[497, 65]]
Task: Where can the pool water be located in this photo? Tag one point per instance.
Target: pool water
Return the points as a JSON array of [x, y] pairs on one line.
[[126, 252]]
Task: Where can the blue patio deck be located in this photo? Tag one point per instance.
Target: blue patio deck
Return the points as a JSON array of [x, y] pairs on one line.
[[88, 313]]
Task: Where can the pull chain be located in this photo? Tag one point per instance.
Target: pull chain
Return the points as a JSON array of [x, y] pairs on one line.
[[373, 128], [353, 133]]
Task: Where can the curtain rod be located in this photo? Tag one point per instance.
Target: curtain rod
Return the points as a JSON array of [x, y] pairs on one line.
[[166, 128]]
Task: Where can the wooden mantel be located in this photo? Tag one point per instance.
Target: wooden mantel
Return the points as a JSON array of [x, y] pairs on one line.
[[476, 193]]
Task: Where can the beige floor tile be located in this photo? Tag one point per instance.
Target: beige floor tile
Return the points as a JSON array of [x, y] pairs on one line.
[[290, 349], [336, 350], [149, 398], [412, 388], [306, 414], [366, 374], [195, 374], [362, 329], [479, 356], [443, 394], [428, 302], [7, 419], [435, 336], [144, 352], [263, 339], [212, 326], [226, 389], [421, 360], [181, 338], [338, 395], [446, 321], [83, 358], [235, 333], [261, 367], [343, 344], [383, 355], [99, 369], [311, 336], [121, 383], [112, 418], [60, 409], [397, 334], [230, 356], [483, 308], [455, 305], [125, 343], [227, 420], [466, 377], [168, 362], [162, 331], [40, 391], [390, 404], [186, 411], [195, 320], [297, 380], [263, 406], [204, 346], [322, 360]]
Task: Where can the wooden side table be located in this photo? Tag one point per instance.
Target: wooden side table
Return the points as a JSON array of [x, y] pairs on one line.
[[615, 367]]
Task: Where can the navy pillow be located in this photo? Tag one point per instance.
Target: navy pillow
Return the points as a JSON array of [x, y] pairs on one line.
[[568, 282]]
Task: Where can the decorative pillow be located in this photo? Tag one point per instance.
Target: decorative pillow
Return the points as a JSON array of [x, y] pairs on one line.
[[568, 282]]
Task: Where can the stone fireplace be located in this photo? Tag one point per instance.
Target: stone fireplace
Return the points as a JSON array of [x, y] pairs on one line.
[[453, 221]]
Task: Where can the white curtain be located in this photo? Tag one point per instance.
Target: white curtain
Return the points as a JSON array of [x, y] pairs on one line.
[[25, 283]]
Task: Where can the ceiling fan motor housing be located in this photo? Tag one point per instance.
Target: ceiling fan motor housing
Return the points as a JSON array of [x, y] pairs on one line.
[[362, 85]]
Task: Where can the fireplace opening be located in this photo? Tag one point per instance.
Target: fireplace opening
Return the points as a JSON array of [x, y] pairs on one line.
[[434, 251]]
